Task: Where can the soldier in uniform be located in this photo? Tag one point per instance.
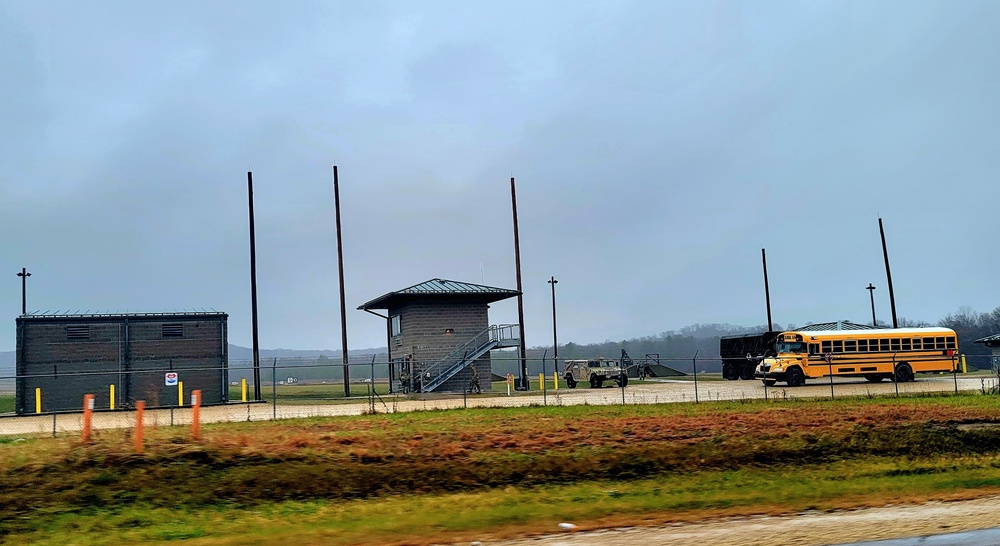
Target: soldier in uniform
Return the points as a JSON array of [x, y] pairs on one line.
[[474, 387], [404, 378]]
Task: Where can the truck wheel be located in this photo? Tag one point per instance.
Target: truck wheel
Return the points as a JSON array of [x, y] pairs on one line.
[[746, 371], [622, 380], [570, 382], [595, 382], [730, 372]]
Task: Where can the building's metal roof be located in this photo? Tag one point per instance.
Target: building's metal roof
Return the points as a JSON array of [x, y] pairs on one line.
[[990, 341], [443, 287], [839, 325], [88, 314]]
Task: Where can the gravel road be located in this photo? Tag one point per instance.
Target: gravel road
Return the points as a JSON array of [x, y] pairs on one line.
[[807, 529]]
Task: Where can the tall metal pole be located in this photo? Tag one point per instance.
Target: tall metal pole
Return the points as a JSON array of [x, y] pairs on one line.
[[253, 295], [555, 342], [871, 292], [520, 297], [24, 288], [888, 276], [767, 292], [343, 305]]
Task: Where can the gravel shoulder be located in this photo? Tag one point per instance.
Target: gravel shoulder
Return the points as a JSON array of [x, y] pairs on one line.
[[806, 529]]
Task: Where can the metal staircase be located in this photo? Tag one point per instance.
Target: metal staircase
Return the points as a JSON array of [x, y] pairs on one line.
[[494, 337]]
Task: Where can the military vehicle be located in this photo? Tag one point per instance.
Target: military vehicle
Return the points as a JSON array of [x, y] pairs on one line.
[[596, 370]]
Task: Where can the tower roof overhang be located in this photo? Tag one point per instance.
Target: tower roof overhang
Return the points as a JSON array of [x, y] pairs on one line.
[[441, 288]]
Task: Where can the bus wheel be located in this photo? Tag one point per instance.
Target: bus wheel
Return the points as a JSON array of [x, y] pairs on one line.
[[904, 373], [874, 378], [730, 372], [795, 378]]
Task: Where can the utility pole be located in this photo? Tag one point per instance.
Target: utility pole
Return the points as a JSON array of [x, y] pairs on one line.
[[555, 343], [253, 295], [871, 292], [24, 286], [520, 297], [888, 275], [343, 305], [767, 292]]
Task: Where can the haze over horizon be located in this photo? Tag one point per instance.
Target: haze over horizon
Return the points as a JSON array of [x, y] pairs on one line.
[[656, 146]]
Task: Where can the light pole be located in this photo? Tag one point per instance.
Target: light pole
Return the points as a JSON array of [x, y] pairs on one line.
[[555, 344], [871, 292], [24, 285]]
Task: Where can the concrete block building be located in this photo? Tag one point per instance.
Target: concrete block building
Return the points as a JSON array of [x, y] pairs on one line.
[[439, 330], [69, 355]]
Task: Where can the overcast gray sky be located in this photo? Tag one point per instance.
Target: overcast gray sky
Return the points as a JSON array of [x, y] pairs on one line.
[[657, 147]]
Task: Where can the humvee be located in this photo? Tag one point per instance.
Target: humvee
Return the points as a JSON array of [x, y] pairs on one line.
[[595, 370]]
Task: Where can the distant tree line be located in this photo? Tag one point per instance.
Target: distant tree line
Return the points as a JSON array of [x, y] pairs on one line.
[[681, 345]]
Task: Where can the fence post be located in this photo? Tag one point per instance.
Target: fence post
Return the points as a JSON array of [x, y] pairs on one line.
[[88, 411], [140, 407], [829, 361], [196, 414], [694, 364], [954, 371], [894, 382], [274, 389]]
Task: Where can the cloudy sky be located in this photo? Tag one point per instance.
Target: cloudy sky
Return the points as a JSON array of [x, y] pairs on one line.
[[657, 146]]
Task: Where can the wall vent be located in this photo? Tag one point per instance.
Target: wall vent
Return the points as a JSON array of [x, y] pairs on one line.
[[173, 329], [78, 332]]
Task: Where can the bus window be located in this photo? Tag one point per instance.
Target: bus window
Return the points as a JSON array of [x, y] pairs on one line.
[[916, 344], [827, 347], [894, 344], [906, 344], [850, 346], [883, 345], [838, 346], [862, 345], [814, 348], [928, 343], [940, 343], [951, 343]]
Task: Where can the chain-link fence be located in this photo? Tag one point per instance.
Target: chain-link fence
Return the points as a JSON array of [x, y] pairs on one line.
[[286, 388]]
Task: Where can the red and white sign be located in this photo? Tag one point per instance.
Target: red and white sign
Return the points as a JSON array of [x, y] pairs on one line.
[[170, 379]]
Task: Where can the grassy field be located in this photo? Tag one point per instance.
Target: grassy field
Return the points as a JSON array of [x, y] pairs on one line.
[[430, 476]]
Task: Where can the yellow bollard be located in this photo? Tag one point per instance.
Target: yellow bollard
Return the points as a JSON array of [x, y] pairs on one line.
[[555, 381], [38, 400], [112, 397], [180, 393], [964, 369], [541, 381], [244, 382]]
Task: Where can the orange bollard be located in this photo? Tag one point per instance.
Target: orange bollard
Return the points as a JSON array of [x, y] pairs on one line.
[[196, 414], [88, 412], [140, 407]]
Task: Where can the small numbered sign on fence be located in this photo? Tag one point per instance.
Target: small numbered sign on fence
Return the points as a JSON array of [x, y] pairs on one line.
[[170, 379]]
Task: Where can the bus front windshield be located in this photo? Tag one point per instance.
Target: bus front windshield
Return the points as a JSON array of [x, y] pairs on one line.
[[791, 347]]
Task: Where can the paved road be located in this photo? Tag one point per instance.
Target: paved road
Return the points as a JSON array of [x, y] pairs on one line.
[[637, 392]]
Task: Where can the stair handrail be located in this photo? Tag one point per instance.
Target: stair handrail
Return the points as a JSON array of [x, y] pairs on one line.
[[457, 358]]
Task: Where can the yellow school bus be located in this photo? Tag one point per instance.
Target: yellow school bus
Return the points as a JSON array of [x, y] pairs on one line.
[[874, 354]]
